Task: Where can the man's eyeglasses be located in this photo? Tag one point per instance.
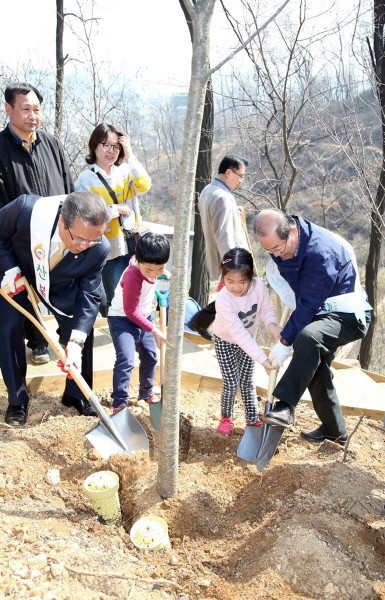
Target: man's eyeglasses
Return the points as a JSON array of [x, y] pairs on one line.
[[114, 147], [82, 242], [277, 250], [241, 177]]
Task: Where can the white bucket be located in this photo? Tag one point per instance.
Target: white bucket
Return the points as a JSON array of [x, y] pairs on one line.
[[150, 533]]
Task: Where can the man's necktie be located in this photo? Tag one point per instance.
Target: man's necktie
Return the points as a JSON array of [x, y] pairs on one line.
[[57, 256]]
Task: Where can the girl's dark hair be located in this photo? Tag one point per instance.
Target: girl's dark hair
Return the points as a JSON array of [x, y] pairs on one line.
[[98, 136], [152, 248], [238, 259]]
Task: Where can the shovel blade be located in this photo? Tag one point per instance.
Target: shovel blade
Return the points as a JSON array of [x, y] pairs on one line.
[[130, 431], [250, 443], [271, 438], [156, 414]]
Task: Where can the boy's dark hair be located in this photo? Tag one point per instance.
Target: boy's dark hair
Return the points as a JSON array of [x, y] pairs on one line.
[[99, 136], [238, 259], [20, 88], [230, 161], [152, 248]]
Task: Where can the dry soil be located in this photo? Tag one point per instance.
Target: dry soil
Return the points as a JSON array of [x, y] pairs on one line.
[[311, 525]]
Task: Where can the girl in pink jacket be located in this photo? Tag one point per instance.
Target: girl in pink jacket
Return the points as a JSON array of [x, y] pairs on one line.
[[240, 304]]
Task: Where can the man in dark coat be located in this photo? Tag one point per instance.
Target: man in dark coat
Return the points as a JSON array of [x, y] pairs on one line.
[[33, 230]]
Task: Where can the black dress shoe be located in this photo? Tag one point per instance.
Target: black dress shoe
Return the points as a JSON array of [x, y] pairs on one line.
[[319, 435], [82, 406], [202, 332], [281, 415], [16, 415]]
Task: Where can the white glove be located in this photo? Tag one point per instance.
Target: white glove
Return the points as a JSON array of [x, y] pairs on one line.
[[280, 353], [9, 279], [73, 356]]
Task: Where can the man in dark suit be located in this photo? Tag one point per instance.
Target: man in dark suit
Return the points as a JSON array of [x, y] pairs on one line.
[[33, 231]]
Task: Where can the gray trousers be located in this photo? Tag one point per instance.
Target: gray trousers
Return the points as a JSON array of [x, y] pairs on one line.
[[310, 367]]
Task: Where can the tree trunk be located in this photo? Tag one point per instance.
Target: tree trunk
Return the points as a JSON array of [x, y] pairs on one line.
[[200, 278], [377, 213], [59, 67], [372, 265], [201, 16]]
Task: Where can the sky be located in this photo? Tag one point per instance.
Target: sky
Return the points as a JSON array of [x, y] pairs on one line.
[[143, 39]]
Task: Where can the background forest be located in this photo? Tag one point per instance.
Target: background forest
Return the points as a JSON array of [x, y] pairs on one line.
[[301, 101]]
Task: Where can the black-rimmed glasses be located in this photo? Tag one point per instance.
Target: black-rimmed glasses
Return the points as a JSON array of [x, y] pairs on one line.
[[239, 174], [114, 147]]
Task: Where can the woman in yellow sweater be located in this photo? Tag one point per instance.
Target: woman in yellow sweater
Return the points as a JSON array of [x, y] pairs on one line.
[[116, 175]]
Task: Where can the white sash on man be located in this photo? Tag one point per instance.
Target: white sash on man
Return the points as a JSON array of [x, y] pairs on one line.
[[43, 218]]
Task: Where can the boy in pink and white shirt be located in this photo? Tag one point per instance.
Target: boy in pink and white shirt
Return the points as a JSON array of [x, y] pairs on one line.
[[131, 321]]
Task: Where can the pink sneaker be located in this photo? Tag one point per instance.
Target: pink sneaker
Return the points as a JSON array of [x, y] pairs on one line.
[[226, 426], [254, 424], [151, 399], [118, 408]]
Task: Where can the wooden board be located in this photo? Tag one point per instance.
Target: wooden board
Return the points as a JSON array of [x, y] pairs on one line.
[[359, 391]]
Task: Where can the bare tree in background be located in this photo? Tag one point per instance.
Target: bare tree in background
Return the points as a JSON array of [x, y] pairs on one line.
[[60, 60], [270, 106], [377, 213]]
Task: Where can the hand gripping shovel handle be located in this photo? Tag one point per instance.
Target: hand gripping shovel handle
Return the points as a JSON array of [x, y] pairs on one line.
[[74, 372]]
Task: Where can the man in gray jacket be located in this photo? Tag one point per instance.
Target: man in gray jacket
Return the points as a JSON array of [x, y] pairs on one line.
[[222, 227]]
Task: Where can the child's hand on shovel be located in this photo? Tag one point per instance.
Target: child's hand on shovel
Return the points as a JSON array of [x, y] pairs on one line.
[[268, 366], [73, 358], [160, 336]]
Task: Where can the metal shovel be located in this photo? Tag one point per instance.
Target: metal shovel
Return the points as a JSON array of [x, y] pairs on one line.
[[118, 433], [258, 444]]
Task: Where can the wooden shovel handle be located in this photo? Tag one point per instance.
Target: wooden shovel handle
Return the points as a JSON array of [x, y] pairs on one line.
[[273, 374], [244, 225]]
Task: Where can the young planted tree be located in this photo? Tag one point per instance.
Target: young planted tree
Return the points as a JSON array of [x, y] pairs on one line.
[[200, 277], [200, 12]]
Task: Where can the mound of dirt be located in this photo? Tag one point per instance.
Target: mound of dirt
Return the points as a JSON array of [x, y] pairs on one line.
[[311, 525]]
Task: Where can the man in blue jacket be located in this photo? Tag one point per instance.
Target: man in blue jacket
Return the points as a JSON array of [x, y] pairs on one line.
[[321, 269], [57, 243]]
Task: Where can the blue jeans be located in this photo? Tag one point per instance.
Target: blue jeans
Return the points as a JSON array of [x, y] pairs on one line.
[[111, 273], [128, 337]]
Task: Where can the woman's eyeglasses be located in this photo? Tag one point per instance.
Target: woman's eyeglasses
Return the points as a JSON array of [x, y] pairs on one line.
[[113, 147]]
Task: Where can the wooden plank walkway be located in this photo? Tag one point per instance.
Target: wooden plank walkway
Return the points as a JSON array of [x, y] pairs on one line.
[[359, 391]]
